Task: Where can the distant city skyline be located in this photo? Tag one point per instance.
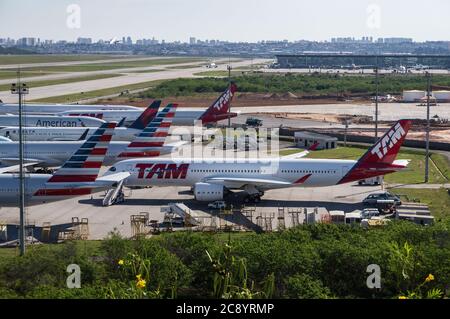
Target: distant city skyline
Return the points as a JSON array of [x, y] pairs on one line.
[[234, 21], [193, 40]]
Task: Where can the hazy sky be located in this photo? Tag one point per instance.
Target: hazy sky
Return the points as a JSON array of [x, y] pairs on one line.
[[234, 20]]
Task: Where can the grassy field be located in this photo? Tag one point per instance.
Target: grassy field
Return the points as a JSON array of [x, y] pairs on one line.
[[217, 73], [44, 58], [413, 175], [301, 84], [182, 67], [147, 71], [32, 84], [12, 74], [442, 163], [437, 199], [97, 93], [113, 65], [91, 246]]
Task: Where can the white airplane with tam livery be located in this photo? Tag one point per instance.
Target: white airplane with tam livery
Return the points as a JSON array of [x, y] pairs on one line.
[[148, 143], [218, 111], [77, 177], [211, 178]]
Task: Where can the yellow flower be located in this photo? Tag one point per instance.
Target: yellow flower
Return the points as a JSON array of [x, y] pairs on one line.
[[120, 262], [138, 277], [429, 278], [141, 283], [402, 297]]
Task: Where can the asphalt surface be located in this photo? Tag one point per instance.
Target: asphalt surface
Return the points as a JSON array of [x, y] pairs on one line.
[[102, 220], [387, 111], [127, 79]]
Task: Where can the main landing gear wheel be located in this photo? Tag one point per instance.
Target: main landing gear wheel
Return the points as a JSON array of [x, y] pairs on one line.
[[252, 198]]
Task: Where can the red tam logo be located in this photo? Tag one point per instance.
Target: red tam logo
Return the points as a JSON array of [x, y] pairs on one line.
[[394, 135], [223, 100], [162, 171]]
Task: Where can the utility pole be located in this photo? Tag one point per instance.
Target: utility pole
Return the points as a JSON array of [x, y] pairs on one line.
[[427, 153], [229, 87], [346, 123], [21, 89], [377, 84]]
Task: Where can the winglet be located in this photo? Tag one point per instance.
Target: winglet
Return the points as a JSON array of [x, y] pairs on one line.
[[122, 121], [84, 135]]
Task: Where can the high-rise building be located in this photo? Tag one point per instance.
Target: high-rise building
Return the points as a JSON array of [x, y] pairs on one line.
[[397, 40], [129, 41], [84, 41], [192, 40]]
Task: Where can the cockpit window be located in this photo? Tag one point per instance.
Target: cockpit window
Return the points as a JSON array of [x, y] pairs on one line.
[[113, 169]]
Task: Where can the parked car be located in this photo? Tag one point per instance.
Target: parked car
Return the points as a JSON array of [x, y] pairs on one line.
[[217, 205], [374, 200], [254, 122], [368, 213]]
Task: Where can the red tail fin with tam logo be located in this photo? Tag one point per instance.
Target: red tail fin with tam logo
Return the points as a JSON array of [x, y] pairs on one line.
[[379, 159]]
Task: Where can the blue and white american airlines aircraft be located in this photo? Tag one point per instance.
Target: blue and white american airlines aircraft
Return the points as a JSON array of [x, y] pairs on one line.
[[40, 133], [211, 178], [78, 176]]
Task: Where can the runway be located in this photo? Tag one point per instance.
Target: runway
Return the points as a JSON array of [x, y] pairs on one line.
[[128, 78]]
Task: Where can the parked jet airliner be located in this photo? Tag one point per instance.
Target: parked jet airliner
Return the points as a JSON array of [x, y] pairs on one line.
[[150, 142], [32, 108], [211, 178], [78, 176], [218, 111], [38, 133], [50, 121]]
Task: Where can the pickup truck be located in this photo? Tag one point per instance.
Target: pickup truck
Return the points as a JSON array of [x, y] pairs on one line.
[[217, 205]]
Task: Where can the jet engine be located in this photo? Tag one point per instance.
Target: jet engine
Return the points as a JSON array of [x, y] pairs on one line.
[[207, 192]]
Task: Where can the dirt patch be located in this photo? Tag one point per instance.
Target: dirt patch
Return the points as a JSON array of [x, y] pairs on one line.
[[240, 100], [419, 135]]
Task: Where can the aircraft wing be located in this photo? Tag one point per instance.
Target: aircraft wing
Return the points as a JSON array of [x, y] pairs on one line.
[[14, 167], [296, 155], [16, 160], [244, 181], [302, 154], [176, 144], [110, 180], [402, 162]]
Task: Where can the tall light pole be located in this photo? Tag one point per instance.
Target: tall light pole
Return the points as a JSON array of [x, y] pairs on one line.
[[229, 86], [21, 89], [377, 84], [427, 153]]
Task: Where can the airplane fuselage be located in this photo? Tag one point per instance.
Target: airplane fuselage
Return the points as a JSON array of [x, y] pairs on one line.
[[56, 108], [53, 154], [63, 133], [38, 192], [295, 172], [50, 121]]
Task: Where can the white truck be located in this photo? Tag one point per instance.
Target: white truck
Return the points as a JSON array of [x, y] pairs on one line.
[[371, 181]]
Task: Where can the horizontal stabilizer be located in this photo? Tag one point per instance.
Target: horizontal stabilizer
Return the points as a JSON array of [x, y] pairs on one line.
[[15, 167]]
